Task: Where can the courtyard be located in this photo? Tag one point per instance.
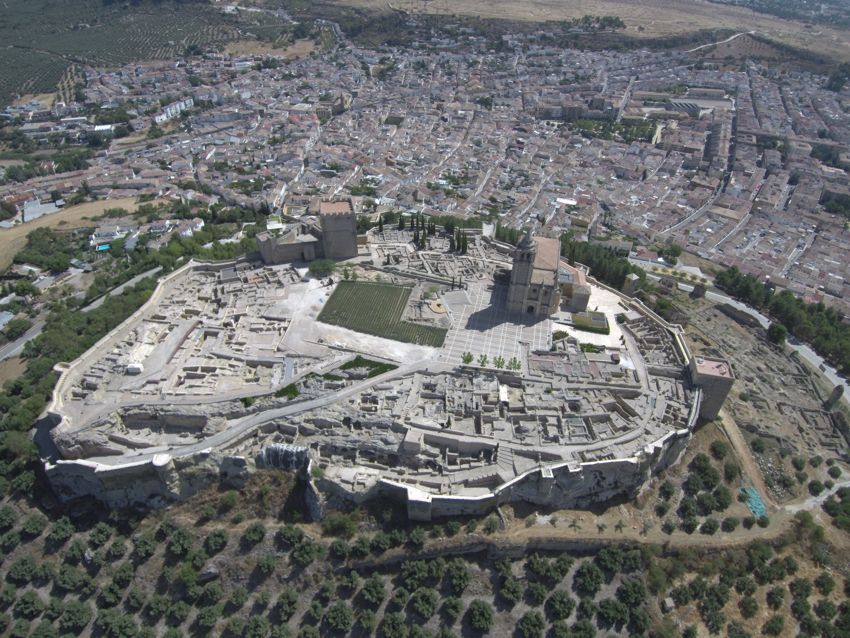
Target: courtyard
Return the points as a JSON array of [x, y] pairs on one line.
[[482, 325]]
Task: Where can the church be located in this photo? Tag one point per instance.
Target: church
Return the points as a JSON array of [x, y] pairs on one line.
[[540, 282], [534, 276]]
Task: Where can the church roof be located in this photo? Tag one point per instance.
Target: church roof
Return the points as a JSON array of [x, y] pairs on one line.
[[548, 253]]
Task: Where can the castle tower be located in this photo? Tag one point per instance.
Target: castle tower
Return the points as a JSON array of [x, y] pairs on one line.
[[339, 229], [715, 378], [523, 268]]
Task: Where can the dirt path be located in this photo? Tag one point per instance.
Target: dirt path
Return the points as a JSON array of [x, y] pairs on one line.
[[83, 215], [742, 451]]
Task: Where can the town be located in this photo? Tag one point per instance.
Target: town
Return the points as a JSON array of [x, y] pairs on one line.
[[636, 150]]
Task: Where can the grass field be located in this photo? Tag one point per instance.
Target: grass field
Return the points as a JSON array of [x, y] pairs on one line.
[[376, 309]]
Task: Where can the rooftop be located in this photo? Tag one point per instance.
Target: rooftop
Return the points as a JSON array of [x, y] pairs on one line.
[[336, 208], [548, 253], [714, 367]]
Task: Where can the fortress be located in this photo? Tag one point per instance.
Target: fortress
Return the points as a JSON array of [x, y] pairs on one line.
[[233, 367]]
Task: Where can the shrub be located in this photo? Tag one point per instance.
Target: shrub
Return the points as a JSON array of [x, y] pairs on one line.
[[373, 591], [587, 579], [537, 593], [287, 603], [254, 534], [340, 549], [834, 472], [775, 597], [480, 615], [825, 610], [457, 575], [34, 525], [774, 626], [238, 598], [730, 472], [22, 570], [394, 625], [215, 541], [560, 605], [29, 605], [208, 617], [416, 538], [825, 583], [380, 543], [511, 591], [749, 606], [266, 564], [531, 625], [338, 524], [228, 500], [144, 546], [729, 524], [815, 487], [8, 517], [340, 617], [709, 526], [719, 450], [452, 608], [100, 534], [612, 613]]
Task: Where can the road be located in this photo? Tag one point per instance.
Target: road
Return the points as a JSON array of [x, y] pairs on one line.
[[14, 348], [118, 289], [711, 44], [243, 425], [805, 352]]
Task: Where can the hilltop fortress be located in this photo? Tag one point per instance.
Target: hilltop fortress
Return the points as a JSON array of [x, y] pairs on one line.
[[453, 382]]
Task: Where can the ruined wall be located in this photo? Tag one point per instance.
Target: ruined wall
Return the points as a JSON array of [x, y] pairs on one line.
[[155, 482]]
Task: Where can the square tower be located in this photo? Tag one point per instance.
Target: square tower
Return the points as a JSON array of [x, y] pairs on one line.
[[715, 378], [339, 229]]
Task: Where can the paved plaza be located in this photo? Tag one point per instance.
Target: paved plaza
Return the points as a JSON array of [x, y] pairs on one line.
[[481, 324]]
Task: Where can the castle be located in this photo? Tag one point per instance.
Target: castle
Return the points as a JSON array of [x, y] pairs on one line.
[[335, 237]]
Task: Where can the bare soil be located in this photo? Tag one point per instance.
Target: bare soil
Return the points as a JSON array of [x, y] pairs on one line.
[[11, 369], [298, 49], [649, 19]]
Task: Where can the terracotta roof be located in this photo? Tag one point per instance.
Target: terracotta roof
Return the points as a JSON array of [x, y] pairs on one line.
[[548, 253], [543, 277], [335, 208]]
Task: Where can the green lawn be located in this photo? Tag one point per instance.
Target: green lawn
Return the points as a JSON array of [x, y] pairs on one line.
[[591, 322], [376, 309]]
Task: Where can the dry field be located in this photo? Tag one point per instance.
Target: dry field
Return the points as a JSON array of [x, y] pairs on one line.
[[298, 49], [643, 18], [745, 47], [11, 369], [14, 239], [46, 99]]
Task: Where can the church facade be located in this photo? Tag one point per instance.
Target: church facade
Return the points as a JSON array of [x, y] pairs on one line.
[[534, 286]]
